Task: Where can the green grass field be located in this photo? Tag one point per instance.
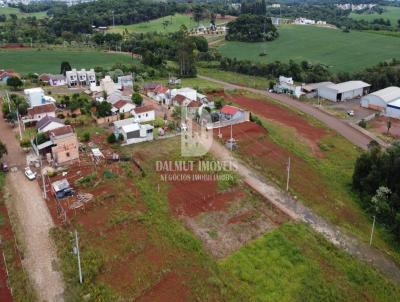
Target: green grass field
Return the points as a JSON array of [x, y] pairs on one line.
[[157, 25], [292, 263], [44, 60], [338, 50], [11, 10], [391, 12]]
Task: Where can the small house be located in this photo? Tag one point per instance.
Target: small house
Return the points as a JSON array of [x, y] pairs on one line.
[[132, 131], [144, 114], [65, 145], [6, 74], [125, 81], [38, 112], [48, 123], [229, 112], [35, 96], [57, 80], [180, 100], [122, 106]]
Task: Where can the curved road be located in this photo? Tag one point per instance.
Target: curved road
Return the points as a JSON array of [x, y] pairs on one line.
[[356, 137]]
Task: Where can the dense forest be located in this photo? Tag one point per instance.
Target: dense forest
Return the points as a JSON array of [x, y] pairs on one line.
[[251, 28]]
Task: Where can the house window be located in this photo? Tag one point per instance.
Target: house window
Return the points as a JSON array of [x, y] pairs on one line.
[[147, 115], [67, 154]]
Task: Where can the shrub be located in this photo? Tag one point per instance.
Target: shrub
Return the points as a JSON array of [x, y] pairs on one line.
[[86, 137], [111, 139], [362, 124]]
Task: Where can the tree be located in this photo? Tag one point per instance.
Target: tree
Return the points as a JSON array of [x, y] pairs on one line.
[[137, 99], [103, 109], [251, 28], [380, 201], [3, 149], [65, 66], [388, 125], [14, 82], [111, 139], [86, 137]]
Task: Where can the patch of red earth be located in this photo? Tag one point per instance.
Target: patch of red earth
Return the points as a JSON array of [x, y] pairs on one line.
[[269, 158], [268, 110], [170, 288], [191, 198], [379, 125], [5, 234]]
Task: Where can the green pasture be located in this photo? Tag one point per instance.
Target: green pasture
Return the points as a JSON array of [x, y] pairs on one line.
[[49, 61], [391, 13], [336, 49]]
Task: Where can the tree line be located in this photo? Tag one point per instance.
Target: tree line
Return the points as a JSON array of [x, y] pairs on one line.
[[251, 28]]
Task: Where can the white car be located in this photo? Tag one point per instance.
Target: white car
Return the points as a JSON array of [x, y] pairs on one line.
[[350, 112], [29, 174], [184, 127]]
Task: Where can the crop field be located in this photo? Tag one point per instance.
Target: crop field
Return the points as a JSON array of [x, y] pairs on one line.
[[49, 61], [11, 10], [391, 13], [321, 163], [176, 21], [338, 50]]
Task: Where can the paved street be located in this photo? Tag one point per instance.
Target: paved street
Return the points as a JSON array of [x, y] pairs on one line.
[[34, 222]]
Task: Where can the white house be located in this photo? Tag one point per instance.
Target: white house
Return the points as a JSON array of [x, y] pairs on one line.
[[125, 81], [38, 112], [189, 93], [48, 123], [393, 109], [378, 100], [161, 94], [81, 77], [122, 106], [132, 131], [57, 80], [35, 96], [304, 21], [143, 114], [286, 85], [344, 91]]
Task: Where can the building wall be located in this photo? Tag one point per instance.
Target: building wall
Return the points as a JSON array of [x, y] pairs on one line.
[[373, 102], [352, 94], [327, 93], [393, 112], [66, 150], [35, 99], [145, 116]]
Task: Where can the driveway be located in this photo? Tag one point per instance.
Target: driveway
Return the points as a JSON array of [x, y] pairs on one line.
[[33, 222], [356, 137]]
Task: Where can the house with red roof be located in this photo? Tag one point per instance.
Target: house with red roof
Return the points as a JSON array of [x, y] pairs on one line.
[[144, 114], [5, 74], [122, 106], [38, 112]]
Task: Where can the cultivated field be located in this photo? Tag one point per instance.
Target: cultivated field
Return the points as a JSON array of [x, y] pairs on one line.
[[11, 10], [340, 51], [47, 60], [391, 13], [176, 21]]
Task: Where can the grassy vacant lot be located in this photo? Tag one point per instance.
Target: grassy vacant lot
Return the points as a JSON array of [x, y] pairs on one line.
[[49, 60], [293, 263], [11, 10], [338, 50], [235, 78], [321, 172], [391, 12], [157, 25]]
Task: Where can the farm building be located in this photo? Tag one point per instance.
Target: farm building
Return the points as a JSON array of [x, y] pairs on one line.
[[344, 91], [393, 109], [311, 90], [286, 85], [378, 100]]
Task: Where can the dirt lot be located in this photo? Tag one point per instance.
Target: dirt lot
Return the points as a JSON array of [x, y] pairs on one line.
[[340, 109], [270, 111], [379, 126]]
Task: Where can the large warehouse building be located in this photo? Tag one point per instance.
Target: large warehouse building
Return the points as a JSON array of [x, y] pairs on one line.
[[393, 109], [380, 99], [343, 91]]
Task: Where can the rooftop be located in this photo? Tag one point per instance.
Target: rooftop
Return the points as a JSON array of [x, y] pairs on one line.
[[347, 86], [42, 109], [388, 94], [230, 110], [47, 120], [142, 109], [131, 127]]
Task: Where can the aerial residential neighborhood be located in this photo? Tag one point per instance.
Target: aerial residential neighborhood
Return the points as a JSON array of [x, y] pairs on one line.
[[199, 151]]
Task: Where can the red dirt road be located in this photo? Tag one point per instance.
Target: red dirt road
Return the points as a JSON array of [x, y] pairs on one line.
[[356, 137]]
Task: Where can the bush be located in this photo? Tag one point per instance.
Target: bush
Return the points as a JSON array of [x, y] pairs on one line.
[[111, 139], [362, 124], [86, 137]]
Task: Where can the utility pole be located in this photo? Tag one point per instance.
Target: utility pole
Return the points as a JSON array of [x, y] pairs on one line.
[[41, 171], [19, 125], [8, 101], [288, 175], [76, 251], [372, 231]]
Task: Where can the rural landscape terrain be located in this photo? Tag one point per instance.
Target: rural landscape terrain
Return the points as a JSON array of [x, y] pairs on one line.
[[199, 151]]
